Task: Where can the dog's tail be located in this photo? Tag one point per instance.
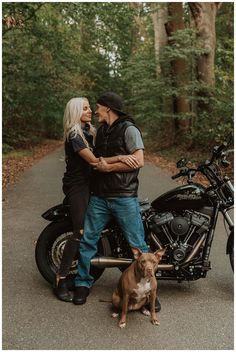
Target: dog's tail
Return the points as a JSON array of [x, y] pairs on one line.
[[105, 301]]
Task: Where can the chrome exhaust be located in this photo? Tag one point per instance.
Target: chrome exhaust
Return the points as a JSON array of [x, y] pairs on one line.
[[111, 262], [194, 251], [165, 267]]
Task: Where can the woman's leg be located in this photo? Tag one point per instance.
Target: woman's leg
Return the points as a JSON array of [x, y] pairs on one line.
[[78, 200]]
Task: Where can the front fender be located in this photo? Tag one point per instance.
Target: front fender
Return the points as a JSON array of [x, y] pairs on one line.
[[230, 242]]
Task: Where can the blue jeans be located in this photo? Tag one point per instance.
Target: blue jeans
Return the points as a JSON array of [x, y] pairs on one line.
[[127, 214]]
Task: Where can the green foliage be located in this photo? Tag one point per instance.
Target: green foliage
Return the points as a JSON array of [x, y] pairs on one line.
[[211, 125], [55, 51], [183, 45], [6, 148], [139, 78], [51, 53], [214, 127]]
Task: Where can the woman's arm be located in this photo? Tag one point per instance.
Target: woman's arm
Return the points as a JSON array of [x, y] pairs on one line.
[[88, 156], [129, 160], [103, 166]]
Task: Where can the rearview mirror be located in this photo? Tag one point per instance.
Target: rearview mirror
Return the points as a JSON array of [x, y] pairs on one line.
[[181, 163]]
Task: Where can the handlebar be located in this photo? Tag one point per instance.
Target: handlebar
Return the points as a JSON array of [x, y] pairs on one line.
[[220, 148], [176, 176], [185, 172], [219, 152]]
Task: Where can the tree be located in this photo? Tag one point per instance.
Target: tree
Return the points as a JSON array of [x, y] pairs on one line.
[[179, 67], [17, 15], [204, 14], [214, 116], [146, 52], [159, 17]]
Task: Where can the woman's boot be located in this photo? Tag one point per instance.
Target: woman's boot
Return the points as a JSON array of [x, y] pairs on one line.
[[61, 291]]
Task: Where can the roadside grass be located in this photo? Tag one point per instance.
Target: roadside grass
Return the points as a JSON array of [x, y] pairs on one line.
[[17, 154], [176, 153]]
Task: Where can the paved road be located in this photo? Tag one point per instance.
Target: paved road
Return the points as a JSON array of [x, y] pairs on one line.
[[194, 316]]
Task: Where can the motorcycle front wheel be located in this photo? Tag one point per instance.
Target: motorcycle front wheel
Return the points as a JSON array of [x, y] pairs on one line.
[[49, 250]]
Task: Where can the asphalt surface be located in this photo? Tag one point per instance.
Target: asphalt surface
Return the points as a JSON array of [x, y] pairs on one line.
[[194, 316]]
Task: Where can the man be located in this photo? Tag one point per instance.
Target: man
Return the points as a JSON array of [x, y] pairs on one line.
[[114, 187]]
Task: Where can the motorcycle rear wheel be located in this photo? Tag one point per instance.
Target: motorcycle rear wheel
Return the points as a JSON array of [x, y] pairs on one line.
[[49, 250]]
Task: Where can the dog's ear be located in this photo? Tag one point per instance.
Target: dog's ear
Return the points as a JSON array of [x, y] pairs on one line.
[[159, 253], [136, 252]]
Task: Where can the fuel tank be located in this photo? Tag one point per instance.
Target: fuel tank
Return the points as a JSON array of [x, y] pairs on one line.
[[192, 196]]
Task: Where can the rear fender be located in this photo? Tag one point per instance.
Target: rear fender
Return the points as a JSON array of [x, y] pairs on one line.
[[58, 213], [230, 242]]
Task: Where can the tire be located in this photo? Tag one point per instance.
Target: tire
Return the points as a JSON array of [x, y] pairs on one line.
[[230, 248], [49, 250], [231, 258]]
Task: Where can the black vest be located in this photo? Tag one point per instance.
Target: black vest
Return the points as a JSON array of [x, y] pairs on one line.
[[110, 141]]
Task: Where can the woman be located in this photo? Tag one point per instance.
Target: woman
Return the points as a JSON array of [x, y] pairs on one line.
[[79, 137]]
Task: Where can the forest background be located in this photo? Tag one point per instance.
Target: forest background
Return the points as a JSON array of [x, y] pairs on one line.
[[172, 62]]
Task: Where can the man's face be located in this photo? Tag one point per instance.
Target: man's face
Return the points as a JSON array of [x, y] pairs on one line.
[[101, 113]]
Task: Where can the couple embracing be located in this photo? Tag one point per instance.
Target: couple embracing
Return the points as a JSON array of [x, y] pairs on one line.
[[101, 180]]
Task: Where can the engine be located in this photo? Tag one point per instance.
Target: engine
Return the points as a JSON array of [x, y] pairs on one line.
[[179, 232]]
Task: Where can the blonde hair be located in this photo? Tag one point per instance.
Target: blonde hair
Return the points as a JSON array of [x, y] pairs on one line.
[[72, 120]]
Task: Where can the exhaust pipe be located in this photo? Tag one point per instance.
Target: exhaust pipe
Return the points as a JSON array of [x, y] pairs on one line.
[[194, 251], [110, 262]]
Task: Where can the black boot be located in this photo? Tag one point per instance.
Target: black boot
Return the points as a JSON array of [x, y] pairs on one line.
[[61, 291], [80, 295]]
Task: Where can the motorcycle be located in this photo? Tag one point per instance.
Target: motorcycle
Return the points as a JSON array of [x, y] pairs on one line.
[[183, 220]]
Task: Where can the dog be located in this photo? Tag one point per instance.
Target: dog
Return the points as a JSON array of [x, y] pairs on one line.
[[137, 287]]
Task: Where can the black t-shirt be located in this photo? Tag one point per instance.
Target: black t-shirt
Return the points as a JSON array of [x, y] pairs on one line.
[[78, 171]]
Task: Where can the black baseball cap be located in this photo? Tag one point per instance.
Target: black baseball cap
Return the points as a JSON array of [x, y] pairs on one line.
[[112, 101]]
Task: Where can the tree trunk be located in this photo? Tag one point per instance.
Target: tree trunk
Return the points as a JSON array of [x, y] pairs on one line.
[[179, 66], [204, 14], [138, 20], [159, 19]]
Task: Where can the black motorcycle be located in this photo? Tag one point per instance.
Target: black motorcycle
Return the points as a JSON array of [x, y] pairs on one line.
[[182, 220]]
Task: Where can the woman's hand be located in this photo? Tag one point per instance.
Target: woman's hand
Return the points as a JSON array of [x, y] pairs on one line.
[[101, 166], [129, 160]]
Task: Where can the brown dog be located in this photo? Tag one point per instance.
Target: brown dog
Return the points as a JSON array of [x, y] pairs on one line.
[[137, 286]]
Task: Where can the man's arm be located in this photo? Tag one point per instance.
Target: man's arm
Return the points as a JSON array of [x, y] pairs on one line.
[[103, 166], [130, 160]]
